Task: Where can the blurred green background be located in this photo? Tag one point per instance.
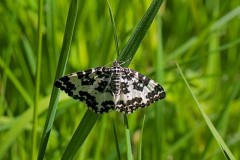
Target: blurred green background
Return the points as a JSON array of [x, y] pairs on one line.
[[201, 36]]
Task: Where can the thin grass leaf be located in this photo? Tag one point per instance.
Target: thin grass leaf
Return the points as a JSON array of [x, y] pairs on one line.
[[139, 32], [222, 116], [18, 125], [80, 135], [51, 29], [182, 49], [37, 81], [202, 37], [30, 55], [141, 139], [67, 40], [116, 142], [225, 19], [159, 109], [114, 29], [128, 139], [101, 138], [16, 83], [226, 151]]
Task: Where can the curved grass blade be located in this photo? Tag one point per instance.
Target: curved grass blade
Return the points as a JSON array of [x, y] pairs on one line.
[[116, 142], [128, 139], [139, 32], [18, 125], [37, 81], [80, 134], [160, 116], [114, 28], [25, 95], [141, 139], [67, 40], [226, 151]]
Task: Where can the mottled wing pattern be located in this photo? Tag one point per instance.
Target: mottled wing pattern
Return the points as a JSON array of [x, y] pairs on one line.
[[106, 88], [137, 91], [91, 87]]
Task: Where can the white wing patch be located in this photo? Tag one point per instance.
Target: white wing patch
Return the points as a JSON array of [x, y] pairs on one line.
[[106, 88]]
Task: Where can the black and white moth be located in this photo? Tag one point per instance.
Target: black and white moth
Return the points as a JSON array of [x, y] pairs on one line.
[[111, 88]]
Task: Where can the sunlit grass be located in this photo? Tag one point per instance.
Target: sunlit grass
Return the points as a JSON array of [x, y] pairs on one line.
[[202, 37]]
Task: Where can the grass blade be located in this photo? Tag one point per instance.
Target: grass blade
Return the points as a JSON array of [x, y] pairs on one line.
[[226, 151], [141, 139], [116, 142], [37, 80], [114, 28], [16, 83], [159, 109], [18, 125], [67, 40], [80, 135], [139, 32], [128, 139]]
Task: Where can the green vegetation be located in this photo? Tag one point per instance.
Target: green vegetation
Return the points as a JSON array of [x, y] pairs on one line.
[[199, 119]]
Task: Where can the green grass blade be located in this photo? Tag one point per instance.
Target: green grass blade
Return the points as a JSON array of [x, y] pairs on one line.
[[128, 139], [226, 151], [159, 109], [116, 142], [16, 83], [18, 125], [141, 139], [139, 32], [37, 81], [30, 55], [71, 20], [114, 28], [182, 49], [225, 19], [222, 117], [101, 137], [80, 135]]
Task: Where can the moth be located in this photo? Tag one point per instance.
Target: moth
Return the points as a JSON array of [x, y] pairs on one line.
[[111, 88]]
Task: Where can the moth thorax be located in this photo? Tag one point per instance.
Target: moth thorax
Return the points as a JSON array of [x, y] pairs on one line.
[[115, 83]]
